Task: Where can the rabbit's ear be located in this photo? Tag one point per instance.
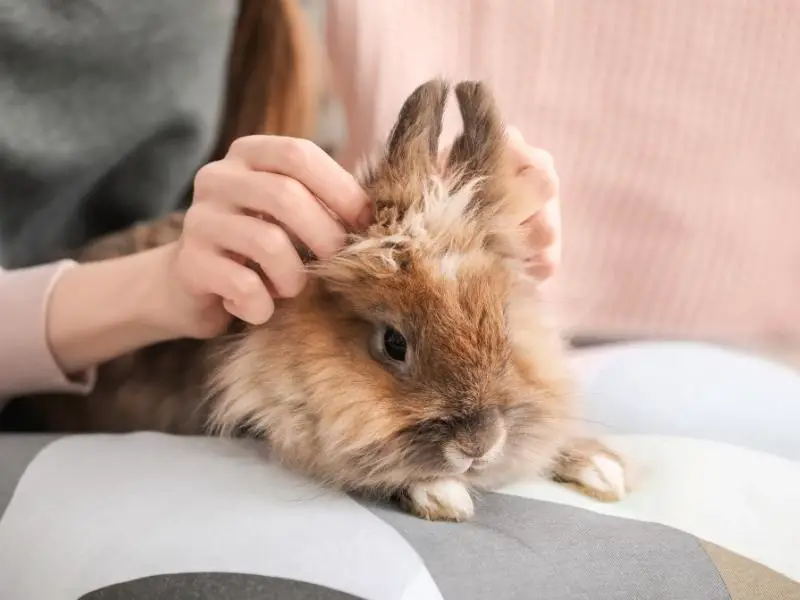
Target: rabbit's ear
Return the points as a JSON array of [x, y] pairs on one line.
[[414, 141], [409, 159], [478, 160], [477, 154]]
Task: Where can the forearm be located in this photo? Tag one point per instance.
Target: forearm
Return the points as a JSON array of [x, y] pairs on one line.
[[102, 310]]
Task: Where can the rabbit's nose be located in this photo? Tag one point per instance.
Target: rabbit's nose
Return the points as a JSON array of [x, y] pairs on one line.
[[479, 439], [485, 445]]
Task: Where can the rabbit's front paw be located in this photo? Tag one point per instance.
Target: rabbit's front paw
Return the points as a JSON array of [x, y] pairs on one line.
[[592, 468], [439, 500]]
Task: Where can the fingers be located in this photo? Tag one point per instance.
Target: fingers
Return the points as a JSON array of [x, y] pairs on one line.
[[249, 207], [533, 165], [545, 243], [544, 236], [268, 191], [266, 244], [307, 163], [282, 198], [537, 179], [241, 289]]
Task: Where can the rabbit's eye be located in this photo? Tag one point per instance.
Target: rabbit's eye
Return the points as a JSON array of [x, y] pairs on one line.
[[394, 344]]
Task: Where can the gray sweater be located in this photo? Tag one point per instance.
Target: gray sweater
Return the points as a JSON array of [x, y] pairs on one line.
[[109, 107]]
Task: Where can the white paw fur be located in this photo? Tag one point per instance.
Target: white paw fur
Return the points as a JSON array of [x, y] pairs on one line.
[[440, 500], [604, 477], [594, 470]]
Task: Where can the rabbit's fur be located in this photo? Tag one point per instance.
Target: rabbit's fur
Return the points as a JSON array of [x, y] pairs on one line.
[[483, 395]]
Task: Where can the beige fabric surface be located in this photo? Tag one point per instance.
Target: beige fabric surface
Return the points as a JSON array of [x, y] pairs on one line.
[[748, 580], [673, 126]]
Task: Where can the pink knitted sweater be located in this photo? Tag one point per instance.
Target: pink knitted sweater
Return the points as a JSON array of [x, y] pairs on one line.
[[673, 126], [26, 363]]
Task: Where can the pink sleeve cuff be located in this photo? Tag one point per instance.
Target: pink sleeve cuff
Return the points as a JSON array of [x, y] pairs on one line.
[[26, 363]]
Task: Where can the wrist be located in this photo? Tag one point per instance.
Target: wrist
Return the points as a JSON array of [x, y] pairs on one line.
[[100, 310]]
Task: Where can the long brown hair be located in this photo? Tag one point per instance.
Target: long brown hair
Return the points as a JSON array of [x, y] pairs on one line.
[[273, 77]]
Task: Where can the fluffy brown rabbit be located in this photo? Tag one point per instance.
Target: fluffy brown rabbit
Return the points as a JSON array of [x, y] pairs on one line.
[[416, 365]]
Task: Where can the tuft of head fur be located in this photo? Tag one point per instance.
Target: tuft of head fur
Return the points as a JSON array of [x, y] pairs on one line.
[[483, 383]]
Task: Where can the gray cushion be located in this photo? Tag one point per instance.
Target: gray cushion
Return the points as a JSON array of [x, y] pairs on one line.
[[150, 516]]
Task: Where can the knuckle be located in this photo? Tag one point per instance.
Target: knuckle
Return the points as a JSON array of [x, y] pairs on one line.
[[288, 190], [543, 162], [212, 178], [543, 184], [271, 241], [194, 221], [541, 157], [298, 153], [241, 145], [206, 176]]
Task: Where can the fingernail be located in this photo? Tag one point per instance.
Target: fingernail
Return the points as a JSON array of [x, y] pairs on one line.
[[230, 306]]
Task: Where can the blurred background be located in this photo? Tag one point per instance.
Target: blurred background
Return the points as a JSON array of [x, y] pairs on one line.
[[673, 124]]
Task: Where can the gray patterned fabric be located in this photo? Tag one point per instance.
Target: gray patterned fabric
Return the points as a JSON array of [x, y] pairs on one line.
[[517, 546], [151, 516]]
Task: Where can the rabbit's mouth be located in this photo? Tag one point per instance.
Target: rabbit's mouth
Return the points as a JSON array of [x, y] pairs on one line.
[[468, 466], [460, 462], [457, 462]]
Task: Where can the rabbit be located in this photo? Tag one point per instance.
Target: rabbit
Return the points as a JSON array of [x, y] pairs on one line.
[[417, 365]]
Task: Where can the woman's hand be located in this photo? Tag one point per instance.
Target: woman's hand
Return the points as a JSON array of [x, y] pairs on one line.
[[271, 190], [251, 205], [537, 178], [248, 206]]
